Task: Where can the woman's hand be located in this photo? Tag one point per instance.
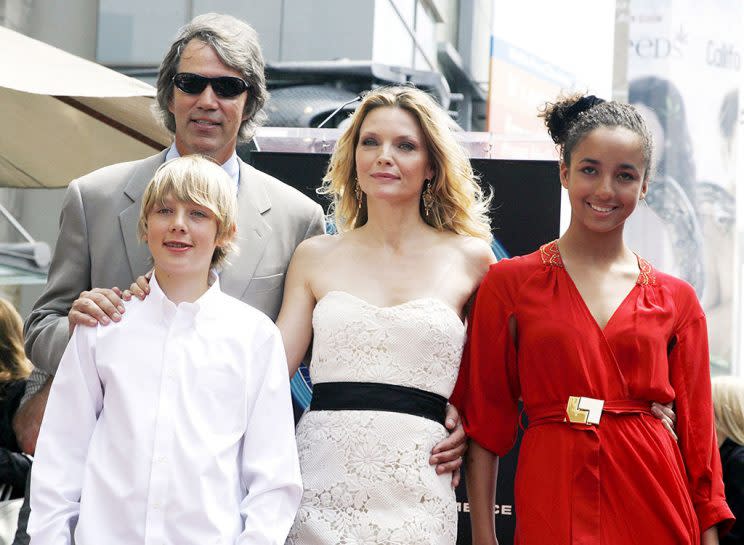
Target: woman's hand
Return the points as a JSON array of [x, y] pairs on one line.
[[666, 414], [447, 454]]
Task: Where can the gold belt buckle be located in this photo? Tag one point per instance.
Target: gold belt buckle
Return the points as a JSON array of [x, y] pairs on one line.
[[584, 410]]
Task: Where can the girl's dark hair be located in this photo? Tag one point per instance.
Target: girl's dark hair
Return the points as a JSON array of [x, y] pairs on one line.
[[571, 118]]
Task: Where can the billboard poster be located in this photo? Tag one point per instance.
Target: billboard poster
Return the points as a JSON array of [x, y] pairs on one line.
[[684, 72]]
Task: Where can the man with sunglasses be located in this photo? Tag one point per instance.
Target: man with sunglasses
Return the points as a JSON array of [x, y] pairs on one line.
[[210, 93], [211, 90]]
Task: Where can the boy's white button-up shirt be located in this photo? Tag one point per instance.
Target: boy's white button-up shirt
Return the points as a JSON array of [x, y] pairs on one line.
[[173, 426]]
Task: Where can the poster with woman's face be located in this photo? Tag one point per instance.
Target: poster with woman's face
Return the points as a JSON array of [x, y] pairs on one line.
[[684, 72]]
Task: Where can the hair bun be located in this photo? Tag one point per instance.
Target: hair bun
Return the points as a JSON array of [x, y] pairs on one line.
[[583, 104], [560, 116]]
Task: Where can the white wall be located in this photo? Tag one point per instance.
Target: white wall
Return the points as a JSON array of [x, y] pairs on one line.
[[577, 36], [138, 32]]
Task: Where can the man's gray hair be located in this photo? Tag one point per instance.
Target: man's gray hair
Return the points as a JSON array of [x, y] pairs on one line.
[[236, 44]]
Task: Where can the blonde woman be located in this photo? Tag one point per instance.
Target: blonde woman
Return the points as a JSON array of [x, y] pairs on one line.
[[384, 302], [728, 406], [14, 369]]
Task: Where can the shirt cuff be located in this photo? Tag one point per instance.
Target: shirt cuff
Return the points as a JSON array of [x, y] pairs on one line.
[[35, 382], [715, 513]]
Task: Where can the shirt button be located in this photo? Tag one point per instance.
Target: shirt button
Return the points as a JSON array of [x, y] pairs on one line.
[[156, 506]]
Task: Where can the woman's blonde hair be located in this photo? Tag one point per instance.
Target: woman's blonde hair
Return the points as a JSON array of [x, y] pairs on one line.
[[197, 179], [14, 365], [459, 203], [728, 406]]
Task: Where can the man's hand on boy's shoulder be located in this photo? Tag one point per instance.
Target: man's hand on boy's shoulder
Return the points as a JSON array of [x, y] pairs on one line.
[[140, 288], [97, 306]]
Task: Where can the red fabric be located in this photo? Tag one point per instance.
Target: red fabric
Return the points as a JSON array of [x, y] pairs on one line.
[[626, 481]]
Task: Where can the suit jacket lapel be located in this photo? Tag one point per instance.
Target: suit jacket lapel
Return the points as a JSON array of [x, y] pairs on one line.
[[137, 253], [254, 232]]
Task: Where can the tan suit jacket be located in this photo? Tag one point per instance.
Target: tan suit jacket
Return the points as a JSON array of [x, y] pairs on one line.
[[98, 246]]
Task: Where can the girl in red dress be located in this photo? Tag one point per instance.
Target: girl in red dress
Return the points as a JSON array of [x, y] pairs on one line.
[[587, 334]]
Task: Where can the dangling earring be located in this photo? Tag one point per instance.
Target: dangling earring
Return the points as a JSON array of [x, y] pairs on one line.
[[358, 194], [427, 197]]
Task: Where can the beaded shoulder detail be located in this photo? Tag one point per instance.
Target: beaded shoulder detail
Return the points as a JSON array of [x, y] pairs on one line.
[[552, 256], [646, 277]]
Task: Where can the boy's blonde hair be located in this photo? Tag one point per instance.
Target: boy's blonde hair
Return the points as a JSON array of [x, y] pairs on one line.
[[14, 365], [728, 406], [197, 179]]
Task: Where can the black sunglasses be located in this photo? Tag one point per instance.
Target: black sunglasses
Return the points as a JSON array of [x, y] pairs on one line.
[[223, 86]]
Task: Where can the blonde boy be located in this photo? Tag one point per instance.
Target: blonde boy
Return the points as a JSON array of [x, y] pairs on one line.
[[175, 425]]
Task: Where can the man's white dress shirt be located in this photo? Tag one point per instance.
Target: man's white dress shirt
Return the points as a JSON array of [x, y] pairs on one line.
[[173, 427], [231, 166]]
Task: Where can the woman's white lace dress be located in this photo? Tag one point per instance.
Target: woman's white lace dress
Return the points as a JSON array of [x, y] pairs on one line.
[[366, 474]]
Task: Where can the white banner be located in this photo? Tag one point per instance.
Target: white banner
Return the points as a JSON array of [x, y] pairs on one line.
[[684, 73]]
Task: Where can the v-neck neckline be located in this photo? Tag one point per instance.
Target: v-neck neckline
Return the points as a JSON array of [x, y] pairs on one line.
[[551, 255]]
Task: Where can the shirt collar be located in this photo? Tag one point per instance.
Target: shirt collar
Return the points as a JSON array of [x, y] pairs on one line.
[[231, 166], [202, 305]]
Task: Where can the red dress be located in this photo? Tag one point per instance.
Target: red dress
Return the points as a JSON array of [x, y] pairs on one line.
[[624, 481]]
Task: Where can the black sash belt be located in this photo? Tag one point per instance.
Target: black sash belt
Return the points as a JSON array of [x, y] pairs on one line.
[[372, 396]]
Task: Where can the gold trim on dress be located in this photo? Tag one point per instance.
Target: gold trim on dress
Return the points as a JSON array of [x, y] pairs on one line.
[[551, 255], [646, 277]]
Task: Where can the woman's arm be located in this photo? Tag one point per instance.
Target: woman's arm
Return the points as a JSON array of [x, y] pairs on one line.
[[295, 321], [710, 536], [689, 373], [447, 454], [480, 476]]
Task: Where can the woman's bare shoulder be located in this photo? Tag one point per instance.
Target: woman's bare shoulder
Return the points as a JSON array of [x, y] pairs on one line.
[[475, 251], [316, 247]]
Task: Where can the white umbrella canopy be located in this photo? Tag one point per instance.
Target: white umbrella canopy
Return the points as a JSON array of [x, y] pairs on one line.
[[66, 116]]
